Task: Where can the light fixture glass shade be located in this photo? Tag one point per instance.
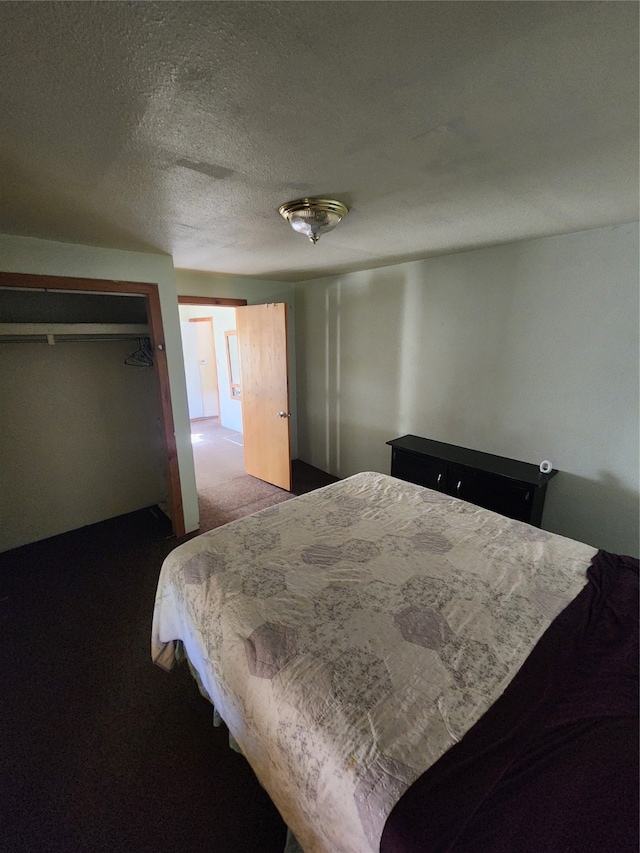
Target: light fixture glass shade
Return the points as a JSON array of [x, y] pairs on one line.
[[313, 216]]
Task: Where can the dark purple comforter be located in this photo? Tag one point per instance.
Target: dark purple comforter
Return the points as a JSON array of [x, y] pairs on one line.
[[553, 765]]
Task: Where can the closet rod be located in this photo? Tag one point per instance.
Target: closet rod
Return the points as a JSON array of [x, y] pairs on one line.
[[62, 339], [136, 329], [53, 332]]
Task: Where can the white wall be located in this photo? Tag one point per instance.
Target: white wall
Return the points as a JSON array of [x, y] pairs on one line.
[[191, 368], [43, 257], [224, 320], [528, 350], [256, 292]]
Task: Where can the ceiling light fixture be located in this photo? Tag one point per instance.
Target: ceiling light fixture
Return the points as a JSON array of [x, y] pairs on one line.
[[313, 216]]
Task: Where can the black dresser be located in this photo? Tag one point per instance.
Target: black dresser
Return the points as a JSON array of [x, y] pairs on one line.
[[512, 488]]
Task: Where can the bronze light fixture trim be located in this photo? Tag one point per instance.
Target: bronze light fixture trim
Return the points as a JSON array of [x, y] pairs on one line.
[[313, 216]]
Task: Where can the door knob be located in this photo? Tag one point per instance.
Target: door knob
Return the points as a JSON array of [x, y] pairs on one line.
[[284, 414]]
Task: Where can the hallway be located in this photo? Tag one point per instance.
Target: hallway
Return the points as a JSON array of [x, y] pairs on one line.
[[225, 491], [217, 453]]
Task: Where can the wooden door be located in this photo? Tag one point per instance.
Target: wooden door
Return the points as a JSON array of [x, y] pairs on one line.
[[262, 343]]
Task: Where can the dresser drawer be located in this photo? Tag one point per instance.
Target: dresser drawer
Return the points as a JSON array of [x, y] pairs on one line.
[[421, 470], [504, 496]]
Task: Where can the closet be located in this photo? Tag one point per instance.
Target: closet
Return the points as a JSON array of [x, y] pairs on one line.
[[81, 429]]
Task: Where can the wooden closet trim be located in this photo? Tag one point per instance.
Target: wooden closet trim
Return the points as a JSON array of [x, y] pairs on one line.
[[211, 300], [28, 281]]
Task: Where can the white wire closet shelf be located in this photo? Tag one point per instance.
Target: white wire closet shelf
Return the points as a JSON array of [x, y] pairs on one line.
[[52, 333]]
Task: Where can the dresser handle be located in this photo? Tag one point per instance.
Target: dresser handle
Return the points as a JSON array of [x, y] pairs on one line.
[[439, 479], [458, 488]]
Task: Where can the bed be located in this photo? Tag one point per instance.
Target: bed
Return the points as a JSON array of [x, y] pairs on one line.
[[355, 638]]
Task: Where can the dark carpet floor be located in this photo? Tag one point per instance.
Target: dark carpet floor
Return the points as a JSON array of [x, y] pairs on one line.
[[100, 750]]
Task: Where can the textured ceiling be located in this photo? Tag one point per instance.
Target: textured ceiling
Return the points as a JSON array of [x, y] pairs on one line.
[[180, 127]]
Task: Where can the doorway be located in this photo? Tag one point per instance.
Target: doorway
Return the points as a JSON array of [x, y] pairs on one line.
[[215, 407], [225, 488]]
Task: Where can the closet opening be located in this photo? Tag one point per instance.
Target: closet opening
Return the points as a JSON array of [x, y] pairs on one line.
[[124, 321]]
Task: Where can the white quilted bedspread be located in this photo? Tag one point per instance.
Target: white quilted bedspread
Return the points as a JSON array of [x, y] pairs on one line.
[[350, 636]]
